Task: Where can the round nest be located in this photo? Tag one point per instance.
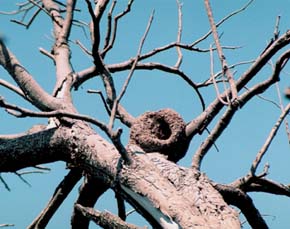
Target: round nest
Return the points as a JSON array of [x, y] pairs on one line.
[[162, 131]]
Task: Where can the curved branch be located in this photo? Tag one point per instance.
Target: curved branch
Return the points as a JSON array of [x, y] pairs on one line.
[[40, 98], [244, 202], [150, 66]]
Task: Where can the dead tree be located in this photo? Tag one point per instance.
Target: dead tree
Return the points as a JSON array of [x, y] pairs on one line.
[[143, 172]]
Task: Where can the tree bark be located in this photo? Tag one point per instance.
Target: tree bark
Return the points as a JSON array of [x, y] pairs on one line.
[[167, 195]]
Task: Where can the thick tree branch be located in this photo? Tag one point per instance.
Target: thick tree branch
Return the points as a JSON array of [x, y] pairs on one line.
[[30, 150], [67, 24], [244, 202], [90, 191], [61, 50], [25, 81], [98, 158], [213, 136]]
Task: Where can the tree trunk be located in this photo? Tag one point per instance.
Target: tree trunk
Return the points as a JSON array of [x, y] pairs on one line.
[[167, 195]]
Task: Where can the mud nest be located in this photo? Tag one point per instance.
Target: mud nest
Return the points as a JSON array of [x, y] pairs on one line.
[[162, 131]]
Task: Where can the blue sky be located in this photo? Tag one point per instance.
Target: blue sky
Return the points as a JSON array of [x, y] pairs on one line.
[[153, 90]]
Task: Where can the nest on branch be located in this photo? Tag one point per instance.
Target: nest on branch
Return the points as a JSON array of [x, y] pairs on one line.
[[163, 132]]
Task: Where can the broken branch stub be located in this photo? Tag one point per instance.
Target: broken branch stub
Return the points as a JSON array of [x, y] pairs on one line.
[[162, 131]]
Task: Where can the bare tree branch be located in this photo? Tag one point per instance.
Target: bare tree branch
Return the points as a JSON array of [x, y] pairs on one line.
[[244, 202], [150, 66], [25, 81], [18, 153], [221, 22], [219, 74], [222, 57], [229, 113], [90, 191], [29, 23], [5, 183], [13, 88], [179, 60], [105, 219], [269, 140], [197, 125], [123, 90], [60, 194], [109, 27], [109, 45], [61, 50], [7, 225], [214, 80]]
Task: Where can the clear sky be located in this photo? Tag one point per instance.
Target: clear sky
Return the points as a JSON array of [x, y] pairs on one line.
[[153, 90]]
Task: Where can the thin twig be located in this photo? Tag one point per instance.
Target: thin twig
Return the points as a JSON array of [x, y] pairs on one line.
[[22, 8], [46, 53], [109, 26], [22, 112], [40, 7], [21, 178], [13, 88], [225, 68], [162, 67], [214, 80], [5, 183], [7, 225], [269, 140], [221, 22], [115, 27], [79, 43], [102, 98], [125, 86], [179, 33], [276, 30], [266, 99]]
